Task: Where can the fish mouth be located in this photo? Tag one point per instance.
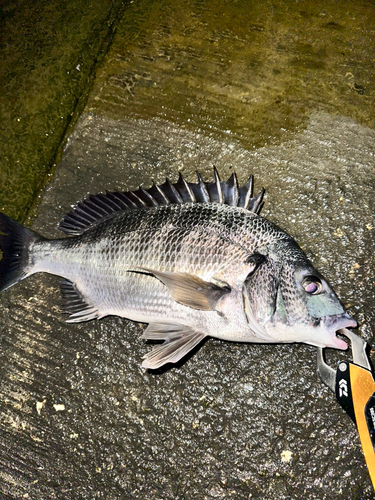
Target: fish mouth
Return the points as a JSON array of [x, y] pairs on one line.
[[335, 323]]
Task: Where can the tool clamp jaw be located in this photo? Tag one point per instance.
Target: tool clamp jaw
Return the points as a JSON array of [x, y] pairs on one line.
[[328, 375]]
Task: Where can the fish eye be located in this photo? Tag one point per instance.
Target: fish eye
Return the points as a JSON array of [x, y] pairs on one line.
[[312, 285]]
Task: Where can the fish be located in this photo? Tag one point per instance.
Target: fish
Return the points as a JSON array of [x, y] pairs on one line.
[[191, 260]]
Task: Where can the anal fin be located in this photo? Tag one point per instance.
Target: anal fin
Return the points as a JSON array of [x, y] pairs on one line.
[[178, 341], [75, 304]]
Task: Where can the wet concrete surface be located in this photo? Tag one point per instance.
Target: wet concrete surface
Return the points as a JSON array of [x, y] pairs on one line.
[[251, 70], [80, 418]]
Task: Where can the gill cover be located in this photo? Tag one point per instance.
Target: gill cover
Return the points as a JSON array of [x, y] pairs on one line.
[[289, 301]]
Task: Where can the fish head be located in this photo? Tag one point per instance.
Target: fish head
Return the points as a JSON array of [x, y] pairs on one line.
[[287, 300]]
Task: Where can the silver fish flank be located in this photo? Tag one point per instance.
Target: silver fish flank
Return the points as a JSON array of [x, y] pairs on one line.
[[190, 259]]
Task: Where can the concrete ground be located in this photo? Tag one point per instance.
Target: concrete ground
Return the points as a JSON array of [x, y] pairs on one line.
[[283, 90]]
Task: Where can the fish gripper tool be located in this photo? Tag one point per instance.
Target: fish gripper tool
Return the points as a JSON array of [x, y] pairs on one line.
[[354, 386]]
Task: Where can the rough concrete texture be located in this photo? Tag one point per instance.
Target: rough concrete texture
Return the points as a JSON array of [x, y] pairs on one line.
[[80, 418], [234, 421]]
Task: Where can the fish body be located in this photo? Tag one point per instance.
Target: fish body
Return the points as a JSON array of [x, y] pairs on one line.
[[191, 260]]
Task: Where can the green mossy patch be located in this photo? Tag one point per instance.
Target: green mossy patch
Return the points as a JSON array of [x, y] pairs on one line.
[[48, 49]]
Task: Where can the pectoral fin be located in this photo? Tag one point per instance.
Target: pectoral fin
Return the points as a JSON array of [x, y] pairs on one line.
[[178, 341], [190, 290]]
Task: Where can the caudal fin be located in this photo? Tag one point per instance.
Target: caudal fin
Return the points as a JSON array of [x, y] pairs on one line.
[[15, 241]]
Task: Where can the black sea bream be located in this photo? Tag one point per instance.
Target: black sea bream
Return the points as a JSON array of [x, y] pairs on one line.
[[190, 259]]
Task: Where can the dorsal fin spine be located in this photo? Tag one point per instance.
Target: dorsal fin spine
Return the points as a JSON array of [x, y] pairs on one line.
[[85, 215], [100, 206], [114, 200], [203, 189], [124, 200], [256, 203], [162, 194], [138, 201], [131, 203], [95, 208], [107, 202], [218, 186], [232, 185], [149, 197], [189, 191], [249, 191], [175, 192]]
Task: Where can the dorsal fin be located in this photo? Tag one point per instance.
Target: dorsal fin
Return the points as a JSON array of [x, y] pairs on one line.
[[96, 208]]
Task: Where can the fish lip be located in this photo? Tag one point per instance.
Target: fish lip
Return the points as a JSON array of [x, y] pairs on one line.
[[335, 323]]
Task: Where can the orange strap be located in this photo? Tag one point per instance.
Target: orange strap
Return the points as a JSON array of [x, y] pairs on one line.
[[363, 387]]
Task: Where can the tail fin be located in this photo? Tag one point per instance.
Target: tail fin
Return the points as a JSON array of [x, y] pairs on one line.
[[15, 240]]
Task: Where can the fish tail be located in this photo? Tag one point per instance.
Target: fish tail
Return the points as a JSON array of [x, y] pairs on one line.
[[15, 240]]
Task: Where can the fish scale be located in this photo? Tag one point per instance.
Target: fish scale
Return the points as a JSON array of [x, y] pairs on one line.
[[190, 259]]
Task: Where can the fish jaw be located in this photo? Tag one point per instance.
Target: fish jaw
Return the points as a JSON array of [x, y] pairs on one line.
[[318, 334], [322, 334], [331, 324]]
